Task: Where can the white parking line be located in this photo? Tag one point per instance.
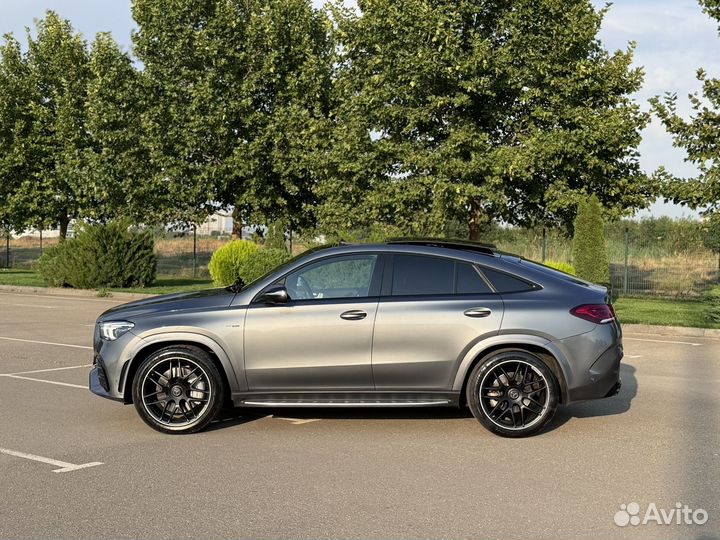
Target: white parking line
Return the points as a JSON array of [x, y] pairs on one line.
[[663, 341], [64, 465], [49, 369], [43, 380], [633, 356], [294, 421], [46, 343], [32, 306], [60, 297]]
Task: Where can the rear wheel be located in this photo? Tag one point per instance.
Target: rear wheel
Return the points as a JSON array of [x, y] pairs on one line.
[[512, 393], [178, 390]]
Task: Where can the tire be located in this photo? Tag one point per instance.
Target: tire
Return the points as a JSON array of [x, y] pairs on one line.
[[512, 393], [178, 390]]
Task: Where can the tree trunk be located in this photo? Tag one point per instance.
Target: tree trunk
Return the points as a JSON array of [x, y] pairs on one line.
[[64, 222], [237, 223], [478, 221]]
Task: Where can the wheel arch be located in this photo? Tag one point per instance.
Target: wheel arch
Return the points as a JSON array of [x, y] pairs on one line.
[[534, 346], [215, 352]]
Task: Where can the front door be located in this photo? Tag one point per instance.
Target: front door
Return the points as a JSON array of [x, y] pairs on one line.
[[322, 338]]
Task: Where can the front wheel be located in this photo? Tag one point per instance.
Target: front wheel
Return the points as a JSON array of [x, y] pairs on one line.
[[178, 390], [512, 393]]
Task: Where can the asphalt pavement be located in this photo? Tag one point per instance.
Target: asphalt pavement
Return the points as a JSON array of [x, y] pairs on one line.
[[73, 465]]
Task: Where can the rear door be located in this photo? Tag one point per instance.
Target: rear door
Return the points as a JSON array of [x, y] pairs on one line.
[[432, 310]]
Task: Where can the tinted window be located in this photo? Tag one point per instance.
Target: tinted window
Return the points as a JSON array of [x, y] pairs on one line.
[[416, 275], [469, 281], [339, 277], [505, 283]]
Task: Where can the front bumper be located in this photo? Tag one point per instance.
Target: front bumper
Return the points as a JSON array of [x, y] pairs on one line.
[[98, 381]]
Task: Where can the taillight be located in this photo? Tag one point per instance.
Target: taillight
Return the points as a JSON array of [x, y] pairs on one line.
[[595, 313]]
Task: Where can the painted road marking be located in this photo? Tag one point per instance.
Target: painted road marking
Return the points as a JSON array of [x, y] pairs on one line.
[[46, 343], [59, 297], [663, 341], [49, 369], [294, 421], [43, 380], [633, 356], [64, 465], [32, 306]]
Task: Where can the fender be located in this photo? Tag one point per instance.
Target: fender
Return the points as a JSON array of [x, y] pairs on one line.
[[510, 340], [192, 335]]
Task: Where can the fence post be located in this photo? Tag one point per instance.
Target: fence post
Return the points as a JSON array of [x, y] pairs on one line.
[[41, 242], [194, 251], [7, 249], [625, 273], [544, 248]]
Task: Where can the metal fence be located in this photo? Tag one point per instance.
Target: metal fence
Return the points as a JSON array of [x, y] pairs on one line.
[[638, 265]]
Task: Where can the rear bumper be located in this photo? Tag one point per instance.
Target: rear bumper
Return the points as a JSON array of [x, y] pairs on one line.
[[602, 379]]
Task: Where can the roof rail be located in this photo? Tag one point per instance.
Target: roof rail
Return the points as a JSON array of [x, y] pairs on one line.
[[467, 245]]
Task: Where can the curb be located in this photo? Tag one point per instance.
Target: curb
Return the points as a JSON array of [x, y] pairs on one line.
[[81, 293], [671, 330]]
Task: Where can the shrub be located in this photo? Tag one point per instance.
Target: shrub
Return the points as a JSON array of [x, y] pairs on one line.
[[226, 263], [275, 238], [261, 262], [713, 299], [590, 255], [101, 256], [563, 267]]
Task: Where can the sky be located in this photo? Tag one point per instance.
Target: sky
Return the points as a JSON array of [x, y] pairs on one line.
[[673, 39]]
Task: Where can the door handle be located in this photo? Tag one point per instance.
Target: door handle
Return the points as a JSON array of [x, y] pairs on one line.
[[477, 312], [353, 315]]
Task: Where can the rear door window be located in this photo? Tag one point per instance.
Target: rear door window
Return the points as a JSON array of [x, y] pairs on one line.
[[420, 275]]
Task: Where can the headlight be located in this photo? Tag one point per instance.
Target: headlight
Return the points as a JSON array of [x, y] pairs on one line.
[[112, 330]]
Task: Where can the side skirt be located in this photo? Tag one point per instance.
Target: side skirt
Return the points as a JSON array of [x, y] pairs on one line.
[[346, 399]]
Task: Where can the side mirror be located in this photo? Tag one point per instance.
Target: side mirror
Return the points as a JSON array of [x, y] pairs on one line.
[[277, 294]]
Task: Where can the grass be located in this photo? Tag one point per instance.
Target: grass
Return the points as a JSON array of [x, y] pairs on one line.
[[25, 278], [162, 285], [663, 312]]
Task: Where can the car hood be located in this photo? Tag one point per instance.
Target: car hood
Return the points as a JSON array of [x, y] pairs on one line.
[[210, 298]]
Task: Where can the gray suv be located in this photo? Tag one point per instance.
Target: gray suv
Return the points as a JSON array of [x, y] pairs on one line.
[[407, 323]]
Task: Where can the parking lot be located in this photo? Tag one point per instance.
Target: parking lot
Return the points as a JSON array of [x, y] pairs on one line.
[[77, 466]]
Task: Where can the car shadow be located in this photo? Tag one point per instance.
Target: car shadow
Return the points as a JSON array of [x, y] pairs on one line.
[[618, 404], [602, 407]]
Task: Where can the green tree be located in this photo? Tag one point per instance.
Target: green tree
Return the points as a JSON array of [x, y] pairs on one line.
[[477, 110], [275, 237], [238, 93], [50, 135], [117, 177], [590, 256], [699, 137], [15, 125], [711, 240]]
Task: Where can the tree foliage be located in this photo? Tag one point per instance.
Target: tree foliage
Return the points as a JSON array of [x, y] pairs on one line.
[[44, 123], [479, 110], [238, 95], [590, 256], [699, 136]]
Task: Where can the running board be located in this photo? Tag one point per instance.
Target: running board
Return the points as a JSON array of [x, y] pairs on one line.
[[344, 403]]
